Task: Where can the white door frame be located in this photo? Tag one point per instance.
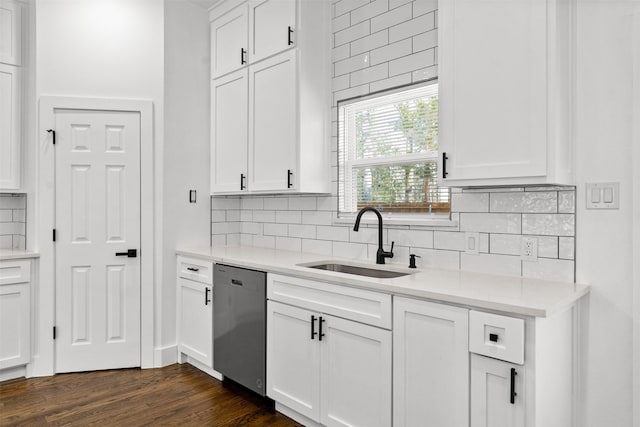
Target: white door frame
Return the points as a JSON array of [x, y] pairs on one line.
[[44, 293], [635, 222]]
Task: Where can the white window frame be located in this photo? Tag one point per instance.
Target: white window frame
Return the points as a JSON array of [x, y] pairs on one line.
[[351, 164]]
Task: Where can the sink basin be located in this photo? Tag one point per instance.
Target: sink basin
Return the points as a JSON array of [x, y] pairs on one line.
[[357, 270]]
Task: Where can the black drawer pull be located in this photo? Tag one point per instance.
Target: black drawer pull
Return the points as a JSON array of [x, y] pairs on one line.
[[313, 327], [493, 337], [242, 178], [320, 327], [289, 175], [444, 165], [193, 269], [206, 296], [289, 40], [513, 394], [242, 53]]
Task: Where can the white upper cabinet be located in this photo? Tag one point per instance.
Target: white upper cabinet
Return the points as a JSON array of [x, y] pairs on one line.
[[505, 81], [272, 132], [9, 127], [287, 105], [272, 28], [229, 42], [229, 131], [10, 31]]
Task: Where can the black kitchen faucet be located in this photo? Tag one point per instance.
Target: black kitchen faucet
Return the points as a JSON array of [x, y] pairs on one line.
[[381, 254]]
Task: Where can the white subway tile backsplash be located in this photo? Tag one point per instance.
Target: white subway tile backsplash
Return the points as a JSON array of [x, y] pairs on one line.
[[566, 248], [341, 52], [425, 41], [391, 18], [346, 94], [420, 7], [412, 62], [352, 33], [400, 255], [289, 244], [6, 215], [251, 228], [276, 203], [549, 224], [246, 239], [342, 82], [13, 201], [264, 216], [218, 216], [252, 203], [396, 3], [275, 229], [369, 43], [349, 65], [327, 203], [225, 203], [233, 239], [341, 22], [470, 202], [412, 238], [376, 7], [505, 244], [302, 231], [543, 202], [371, 74], [321, 247], [224, 227], [413, 27], [491, 263], [566, 201], [547, 246], [327, 232], [317, 217], [289, 217], [457, 241], [268, 242], [394, 81], [491, 223], [344, 6], [216, 240], [437, 259], [424, 74], [384, 54], [366, 235], [303, 203], [549, 269], [246, 216], [233, 215]]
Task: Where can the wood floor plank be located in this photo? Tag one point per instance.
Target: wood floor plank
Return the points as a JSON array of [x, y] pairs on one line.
[[173, 395]]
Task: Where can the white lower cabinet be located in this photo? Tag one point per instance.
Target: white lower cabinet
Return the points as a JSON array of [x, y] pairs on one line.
[[497, 393], [15, 313], [430, 364], [195, 312], [331, 370]]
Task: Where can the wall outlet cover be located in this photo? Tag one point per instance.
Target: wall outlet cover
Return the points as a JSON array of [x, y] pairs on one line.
[[529, 249]]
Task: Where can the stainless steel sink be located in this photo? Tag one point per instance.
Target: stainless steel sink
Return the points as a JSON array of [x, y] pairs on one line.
[[357, 270]]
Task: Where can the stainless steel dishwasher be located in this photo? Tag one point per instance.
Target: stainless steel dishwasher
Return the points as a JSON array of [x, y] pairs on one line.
[[240, 325]]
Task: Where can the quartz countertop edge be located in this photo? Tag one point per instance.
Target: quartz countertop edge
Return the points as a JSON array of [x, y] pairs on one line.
[[8, 254], [513, 295]]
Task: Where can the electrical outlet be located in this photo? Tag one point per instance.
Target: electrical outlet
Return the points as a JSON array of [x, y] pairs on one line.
[[529, 249], [472, 243]]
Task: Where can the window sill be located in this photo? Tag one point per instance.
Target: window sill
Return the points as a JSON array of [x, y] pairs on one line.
[[399, 221]]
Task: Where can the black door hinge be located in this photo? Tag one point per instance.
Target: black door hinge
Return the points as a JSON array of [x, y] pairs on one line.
[[54, 234], [54, 332], [53, 133]]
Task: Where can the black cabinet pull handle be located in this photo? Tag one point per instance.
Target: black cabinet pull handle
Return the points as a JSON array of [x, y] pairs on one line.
[[289, 33], [193, 269], [131, 253], [493, 337], [444, 165], [242, 178], [513, 394], [320, 327], [289, 175], [206, 296], [242, 53], [53, 134], [236, 282], [313, 327]]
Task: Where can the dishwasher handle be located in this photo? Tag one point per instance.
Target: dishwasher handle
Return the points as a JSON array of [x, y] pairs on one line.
[[236, 282]]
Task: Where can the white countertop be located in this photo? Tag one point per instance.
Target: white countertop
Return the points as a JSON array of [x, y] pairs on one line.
[[515, 295], [17, 254]]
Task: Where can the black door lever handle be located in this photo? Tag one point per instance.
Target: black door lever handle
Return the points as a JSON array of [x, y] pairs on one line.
[[131, 253]]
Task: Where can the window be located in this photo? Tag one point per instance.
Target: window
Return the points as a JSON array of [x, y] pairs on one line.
[[388, 153]]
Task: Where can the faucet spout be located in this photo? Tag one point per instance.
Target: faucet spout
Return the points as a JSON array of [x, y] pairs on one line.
[[381, 254]]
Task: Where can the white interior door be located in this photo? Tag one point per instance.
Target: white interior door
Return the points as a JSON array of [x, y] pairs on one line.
[[97, 215]]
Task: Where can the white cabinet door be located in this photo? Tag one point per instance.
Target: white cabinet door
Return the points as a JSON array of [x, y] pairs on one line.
[[10, 32], [229, 133], [272, 27], [293, 365], [273, 124], [15, 329], [229, 42], [355, 379], [195, 321], [430, 364], [9, 127], [497, 393], [493, 88]]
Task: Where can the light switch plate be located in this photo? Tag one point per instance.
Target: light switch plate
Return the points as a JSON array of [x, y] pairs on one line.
[[472, 243], [603, 195]]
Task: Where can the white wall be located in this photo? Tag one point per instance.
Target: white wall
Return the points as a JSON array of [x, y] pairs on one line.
[[604, 148], [186, 149]]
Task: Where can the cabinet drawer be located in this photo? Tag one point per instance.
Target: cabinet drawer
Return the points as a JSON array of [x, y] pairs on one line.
[[360, 305], [15, 271], [496, 336], [195, 269]]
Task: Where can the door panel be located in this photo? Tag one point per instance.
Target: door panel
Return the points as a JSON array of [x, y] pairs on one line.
[[97, 214], [269, 27], [229, 50]]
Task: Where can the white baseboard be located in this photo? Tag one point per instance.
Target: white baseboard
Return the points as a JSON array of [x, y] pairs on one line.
[[204, 368], [296, 416], [165, 356], [13, 373]]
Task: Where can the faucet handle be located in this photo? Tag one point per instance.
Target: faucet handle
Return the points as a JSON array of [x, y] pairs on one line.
[[391, 251]]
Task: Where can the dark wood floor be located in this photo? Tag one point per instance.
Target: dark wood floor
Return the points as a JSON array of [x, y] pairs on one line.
[[174, 395]]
